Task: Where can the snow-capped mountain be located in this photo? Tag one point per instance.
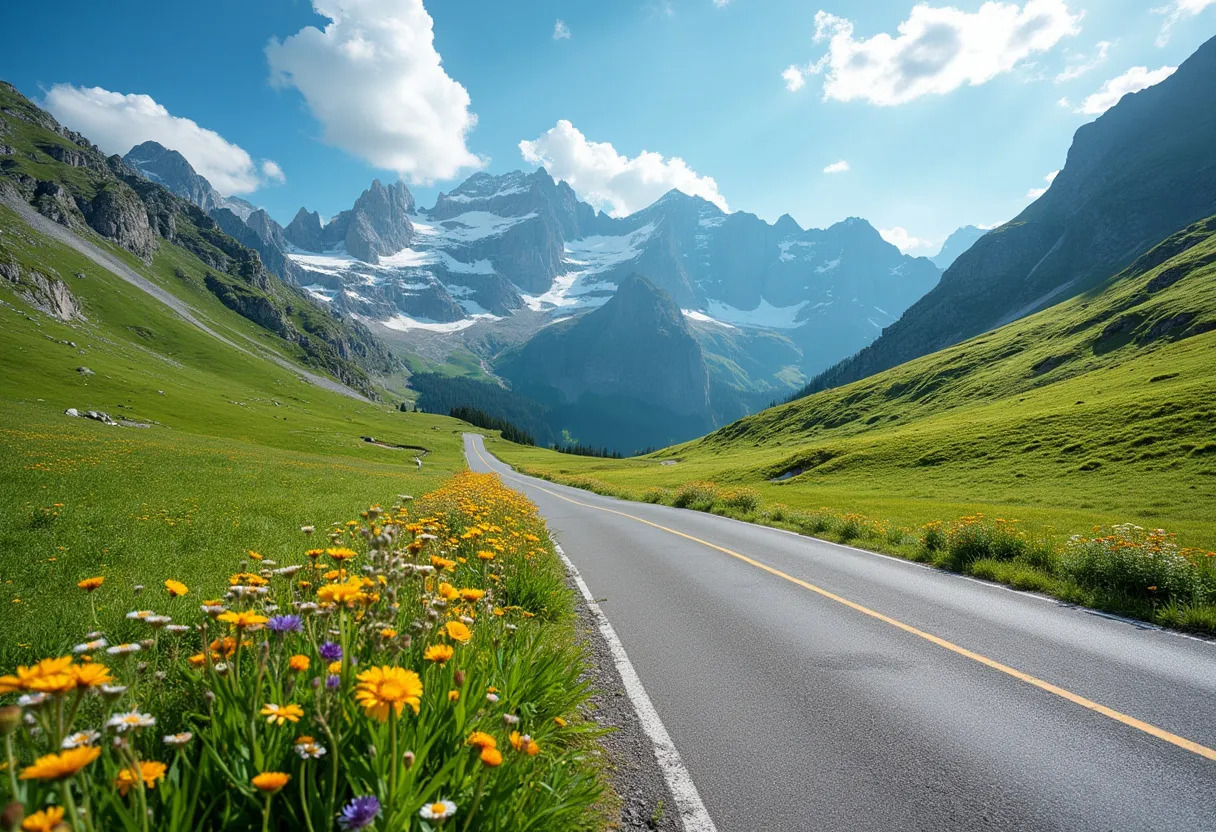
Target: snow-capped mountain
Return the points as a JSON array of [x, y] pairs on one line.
[[522, 248]]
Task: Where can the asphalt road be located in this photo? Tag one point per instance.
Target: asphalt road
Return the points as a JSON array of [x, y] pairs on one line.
[[812, 686]]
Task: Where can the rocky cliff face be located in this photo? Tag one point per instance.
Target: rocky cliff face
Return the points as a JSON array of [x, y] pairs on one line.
[[1141, 171], [379, 224]]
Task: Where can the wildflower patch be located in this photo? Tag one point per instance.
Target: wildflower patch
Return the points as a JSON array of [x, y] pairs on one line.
[[396, 678]]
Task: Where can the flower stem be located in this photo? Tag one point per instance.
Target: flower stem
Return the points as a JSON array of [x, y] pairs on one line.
[[69, 804], [266, 814], [12, 766], [481, 783], [393, 761]]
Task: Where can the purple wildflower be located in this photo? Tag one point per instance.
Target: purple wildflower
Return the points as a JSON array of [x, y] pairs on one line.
[[331, 652], [359, 813], [285, 624], [333, 681]]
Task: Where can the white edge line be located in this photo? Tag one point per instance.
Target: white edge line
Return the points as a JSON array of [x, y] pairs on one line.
[[693, 814]]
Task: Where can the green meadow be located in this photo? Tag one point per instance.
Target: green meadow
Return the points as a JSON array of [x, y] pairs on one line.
[[239, 452]]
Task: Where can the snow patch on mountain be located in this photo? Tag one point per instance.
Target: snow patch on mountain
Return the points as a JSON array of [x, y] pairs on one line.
[[765, 315]]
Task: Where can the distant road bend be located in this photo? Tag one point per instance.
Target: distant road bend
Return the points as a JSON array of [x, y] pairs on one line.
[[812, 686]]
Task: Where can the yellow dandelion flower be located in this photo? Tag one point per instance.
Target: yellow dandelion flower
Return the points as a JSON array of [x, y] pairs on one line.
[[176, 588]]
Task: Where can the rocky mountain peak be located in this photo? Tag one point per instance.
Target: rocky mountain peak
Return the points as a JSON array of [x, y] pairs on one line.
[[959, 241], [171, 169], [379, 224], [304, 231]]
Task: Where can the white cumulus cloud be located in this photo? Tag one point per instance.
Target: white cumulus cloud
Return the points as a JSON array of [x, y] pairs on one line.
[[903, 240], [837, 167], [610, 181], [561, 31], [116, 122], [1035, 193], [936, 50], [1177, 11], [374, 80], [1135, 79]]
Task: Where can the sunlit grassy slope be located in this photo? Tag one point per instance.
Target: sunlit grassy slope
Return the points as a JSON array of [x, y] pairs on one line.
[[239, 450], [1099, 410]]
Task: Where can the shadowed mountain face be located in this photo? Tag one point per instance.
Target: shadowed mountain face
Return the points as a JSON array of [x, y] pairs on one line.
[[632, 361], [1141, 171]]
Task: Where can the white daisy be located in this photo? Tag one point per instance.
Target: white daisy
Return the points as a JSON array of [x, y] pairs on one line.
[[90, 646], [179, 739], [441, 810], [130, 720], [81, 738], [310, 750], [123, 649]]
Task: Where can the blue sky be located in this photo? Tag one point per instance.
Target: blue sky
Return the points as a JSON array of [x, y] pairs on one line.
[[954, 124]]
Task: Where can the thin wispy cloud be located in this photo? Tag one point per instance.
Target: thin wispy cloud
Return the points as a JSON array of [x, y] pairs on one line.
[[837, 167], [1177, 11], [560, 30], [934, 52], [1079, 65]]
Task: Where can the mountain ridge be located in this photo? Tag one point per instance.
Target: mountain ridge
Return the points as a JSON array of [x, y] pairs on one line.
[[1136, 174]]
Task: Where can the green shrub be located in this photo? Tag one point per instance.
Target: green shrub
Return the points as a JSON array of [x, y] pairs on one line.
[[1129, 562], [744, 501], [972, 538], [657, 496], [701, 496]]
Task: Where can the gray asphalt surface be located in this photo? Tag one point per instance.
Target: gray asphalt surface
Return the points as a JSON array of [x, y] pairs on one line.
[[793, 711]]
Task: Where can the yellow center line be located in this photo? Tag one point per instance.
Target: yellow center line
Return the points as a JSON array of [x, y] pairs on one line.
[[1077, 699]]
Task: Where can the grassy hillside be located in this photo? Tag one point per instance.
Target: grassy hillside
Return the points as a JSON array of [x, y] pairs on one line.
[[237, 446], [1094, 412], [66, 179]]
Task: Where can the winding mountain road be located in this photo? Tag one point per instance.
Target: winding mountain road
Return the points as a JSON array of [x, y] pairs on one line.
[[812, 686]]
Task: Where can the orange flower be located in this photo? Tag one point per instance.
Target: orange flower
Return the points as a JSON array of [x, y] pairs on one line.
[[457, 631], [270, 782], [149, 772], [492, 757], [45, 820], [299, 663], [90, 584], [482, 740], [59, 766]]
